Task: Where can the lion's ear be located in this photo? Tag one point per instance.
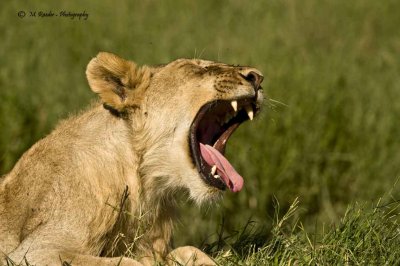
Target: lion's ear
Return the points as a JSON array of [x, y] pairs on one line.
[[118, 82]]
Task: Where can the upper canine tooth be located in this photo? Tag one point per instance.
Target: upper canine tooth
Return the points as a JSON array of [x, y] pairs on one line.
[[216, 176], [213, 170], [234, 105], [249, 111]]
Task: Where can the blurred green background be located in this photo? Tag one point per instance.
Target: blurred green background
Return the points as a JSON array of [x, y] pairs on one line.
[[329, 135]]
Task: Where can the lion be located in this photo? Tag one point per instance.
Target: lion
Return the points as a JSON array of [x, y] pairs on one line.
[[100, 189]]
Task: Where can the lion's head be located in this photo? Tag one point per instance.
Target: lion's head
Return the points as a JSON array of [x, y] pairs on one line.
[[181, 115]]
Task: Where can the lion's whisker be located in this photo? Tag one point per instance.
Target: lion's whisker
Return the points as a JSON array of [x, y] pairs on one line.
[[278, 102]]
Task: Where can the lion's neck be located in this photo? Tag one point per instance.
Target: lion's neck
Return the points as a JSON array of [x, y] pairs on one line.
[[117, 152]]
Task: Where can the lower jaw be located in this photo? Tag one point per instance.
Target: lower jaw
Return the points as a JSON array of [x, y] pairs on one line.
[[205, 194]]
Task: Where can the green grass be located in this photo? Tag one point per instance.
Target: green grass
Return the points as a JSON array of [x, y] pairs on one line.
[[364, 236], [330, 136]]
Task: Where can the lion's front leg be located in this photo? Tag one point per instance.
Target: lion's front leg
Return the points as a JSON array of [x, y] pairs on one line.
[[189, 255], [51, 257]]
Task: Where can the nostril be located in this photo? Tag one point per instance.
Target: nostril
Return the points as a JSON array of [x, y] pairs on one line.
[[251, 76], [254, 78]]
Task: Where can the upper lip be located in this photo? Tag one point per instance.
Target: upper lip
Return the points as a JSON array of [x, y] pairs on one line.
[[213, 125]]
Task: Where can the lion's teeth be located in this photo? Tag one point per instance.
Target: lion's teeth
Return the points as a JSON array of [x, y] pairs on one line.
[[234, 105], [217, 176], [249, 111], [213, 170]]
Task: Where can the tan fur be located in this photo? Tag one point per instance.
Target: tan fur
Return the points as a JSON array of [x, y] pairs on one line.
[[101, 186]]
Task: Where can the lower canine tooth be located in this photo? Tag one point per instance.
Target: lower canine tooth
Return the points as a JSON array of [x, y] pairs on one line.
[[249, 111], [216, 176], [213, 169], [234, 105]]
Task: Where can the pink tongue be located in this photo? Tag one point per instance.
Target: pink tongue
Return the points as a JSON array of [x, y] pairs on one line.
[[224, 169]]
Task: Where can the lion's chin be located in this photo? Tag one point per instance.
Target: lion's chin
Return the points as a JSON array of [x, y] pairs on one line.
[[200, 192]]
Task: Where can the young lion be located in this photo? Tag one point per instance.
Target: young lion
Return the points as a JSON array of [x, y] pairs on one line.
[[103, 182]]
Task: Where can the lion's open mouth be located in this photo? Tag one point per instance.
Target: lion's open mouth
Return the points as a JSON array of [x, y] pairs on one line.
[[210, 130]]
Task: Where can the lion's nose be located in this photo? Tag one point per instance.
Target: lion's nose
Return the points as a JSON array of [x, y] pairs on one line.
[[253, 76]]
